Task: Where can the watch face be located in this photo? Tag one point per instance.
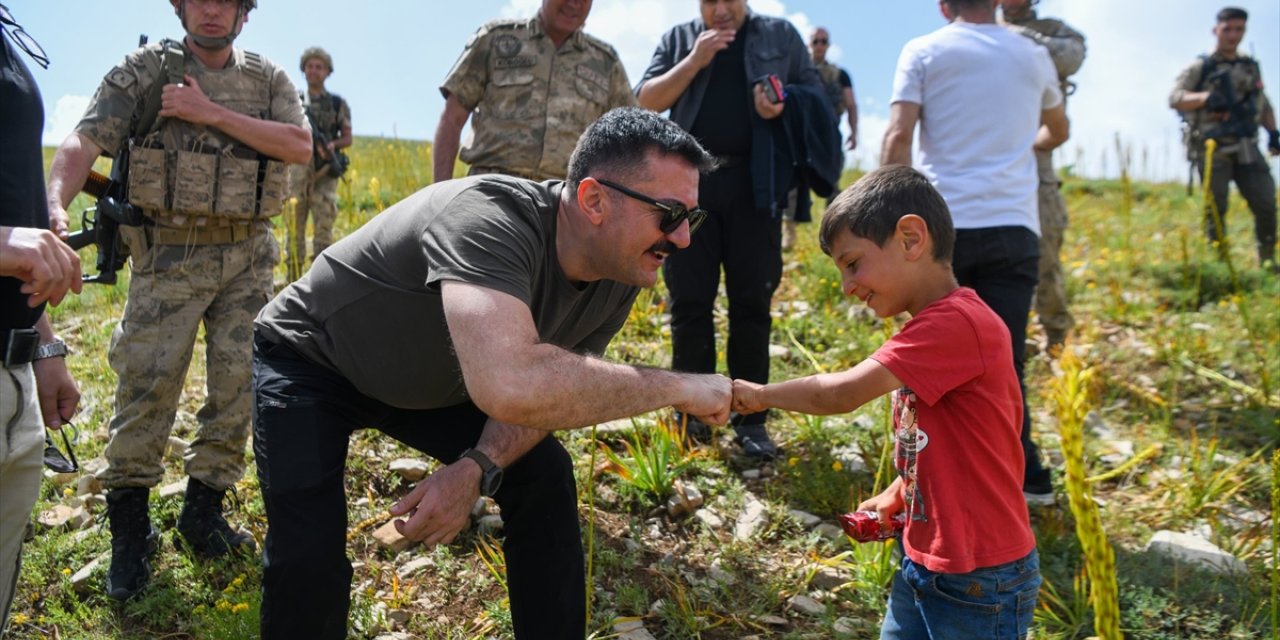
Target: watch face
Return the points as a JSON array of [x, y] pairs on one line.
[[490, 481]]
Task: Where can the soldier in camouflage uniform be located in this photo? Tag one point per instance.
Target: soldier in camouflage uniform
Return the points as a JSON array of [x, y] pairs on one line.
[[1066, 49], [534, 85], [1221, 98], [208, 176], [317, 182]]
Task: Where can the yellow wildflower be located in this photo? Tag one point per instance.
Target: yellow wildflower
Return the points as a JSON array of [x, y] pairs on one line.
[[836, 466]]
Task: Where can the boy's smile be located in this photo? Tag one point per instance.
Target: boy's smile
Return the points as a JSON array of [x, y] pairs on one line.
[[872, 274]]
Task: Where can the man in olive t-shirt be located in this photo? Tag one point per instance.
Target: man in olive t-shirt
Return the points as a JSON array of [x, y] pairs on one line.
[[467, 309]]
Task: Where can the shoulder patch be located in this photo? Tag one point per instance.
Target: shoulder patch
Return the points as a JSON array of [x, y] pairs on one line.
[[121, 78]]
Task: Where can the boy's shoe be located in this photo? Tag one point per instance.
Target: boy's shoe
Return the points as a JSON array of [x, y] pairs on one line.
[[1038, 490], [755, 442]]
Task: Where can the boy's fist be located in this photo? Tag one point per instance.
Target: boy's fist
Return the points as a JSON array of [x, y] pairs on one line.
[[747, 397]]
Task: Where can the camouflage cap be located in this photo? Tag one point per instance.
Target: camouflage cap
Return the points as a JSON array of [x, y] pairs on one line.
[[315, 52]]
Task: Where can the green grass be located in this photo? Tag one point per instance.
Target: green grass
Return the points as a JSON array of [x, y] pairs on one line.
[[1186, 354]]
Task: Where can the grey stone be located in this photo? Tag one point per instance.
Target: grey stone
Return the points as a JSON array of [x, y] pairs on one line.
[[1194, 549], [750, 520], [806, 605], [806, 519], [410, 469], [173, 489]]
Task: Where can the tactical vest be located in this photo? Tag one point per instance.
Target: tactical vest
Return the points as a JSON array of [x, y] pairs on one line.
[[183, 174], [830, 75], [1242, 88], [323, 112]]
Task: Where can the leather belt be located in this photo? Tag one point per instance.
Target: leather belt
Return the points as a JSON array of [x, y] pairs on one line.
[[20, 346]]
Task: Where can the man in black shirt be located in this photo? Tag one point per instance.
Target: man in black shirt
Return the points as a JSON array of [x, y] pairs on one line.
[[707, 73], [35, 267]]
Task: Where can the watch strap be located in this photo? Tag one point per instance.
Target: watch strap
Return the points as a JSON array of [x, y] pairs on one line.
[[55, 349], [486, 465]]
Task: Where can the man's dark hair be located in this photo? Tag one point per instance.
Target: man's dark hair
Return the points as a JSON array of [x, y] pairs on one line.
[[872, 207], [956, 5], [618, 142], [1233, 13]]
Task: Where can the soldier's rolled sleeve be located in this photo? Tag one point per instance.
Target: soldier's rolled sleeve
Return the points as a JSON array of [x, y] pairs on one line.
[[620, 94], [107, 119], [1186, 82], [470, 74], [344, 115], [285, 105]]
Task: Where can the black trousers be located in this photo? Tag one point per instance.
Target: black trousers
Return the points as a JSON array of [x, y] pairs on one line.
[[1258, 189], [748, 245], [303, 416], [1002, 264]]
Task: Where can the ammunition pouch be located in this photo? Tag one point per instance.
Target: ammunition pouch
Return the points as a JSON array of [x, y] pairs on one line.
[[235, 184]]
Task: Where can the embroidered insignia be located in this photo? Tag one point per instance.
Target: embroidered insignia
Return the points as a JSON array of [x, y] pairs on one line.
[[120, 78], [506, 45]]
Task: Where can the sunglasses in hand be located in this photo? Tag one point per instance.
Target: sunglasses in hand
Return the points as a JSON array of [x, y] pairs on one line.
[[53, 458]]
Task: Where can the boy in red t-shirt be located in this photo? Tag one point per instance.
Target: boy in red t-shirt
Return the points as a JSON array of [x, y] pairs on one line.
[[970, 568]]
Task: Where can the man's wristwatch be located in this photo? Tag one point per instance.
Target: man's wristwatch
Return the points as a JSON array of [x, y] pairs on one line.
[[491, 474], [55, 349]]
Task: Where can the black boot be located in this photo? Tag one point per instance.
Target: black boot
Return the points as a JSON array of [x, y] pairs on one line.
[[203, 526], [133, 540]]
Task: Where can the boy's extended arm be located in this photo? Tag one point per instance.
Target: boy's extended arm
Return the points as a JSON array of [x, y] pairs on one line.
[[821, 394]]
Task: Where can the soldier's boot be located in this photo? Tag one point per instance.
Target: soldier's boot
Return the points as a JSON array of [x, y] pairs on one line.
[[202, 525], [133, 541]]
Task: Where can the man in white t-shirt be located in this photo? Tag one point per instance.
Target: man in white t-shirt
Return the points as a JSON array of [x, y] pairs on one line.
[[986, 99]]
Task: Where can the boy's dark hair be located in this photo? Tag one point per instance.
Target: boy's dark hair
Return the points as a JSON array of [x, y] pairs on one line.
[[872, 207], [1233, 13], [956, 5], [618, 142]]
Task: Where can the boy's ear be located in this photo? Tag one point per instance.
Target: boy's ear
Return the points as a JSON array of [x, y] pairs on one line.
[[912, 233]]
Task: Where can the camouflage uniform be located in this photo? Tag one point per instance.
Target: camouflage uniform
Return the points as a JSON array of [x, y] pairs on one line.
[[1066, 49], [1236, 157], [831, 85], [189, 268], [531, 102], [316, 189]]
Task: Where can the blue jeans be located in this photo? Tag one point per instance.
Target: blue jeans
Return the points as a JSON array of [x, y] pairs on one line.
[[985, 604]]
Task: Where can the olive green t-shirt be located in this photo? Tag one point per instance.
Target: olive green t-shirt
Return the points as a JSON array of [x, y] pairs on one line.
[[370, 307]]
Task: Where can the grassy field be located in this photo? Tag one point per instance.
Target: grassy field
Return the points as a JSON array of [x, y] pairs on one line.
[[1181, 391]]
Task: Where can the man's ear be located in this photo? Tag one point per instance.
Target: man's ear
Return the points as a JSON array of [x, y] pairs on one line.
[[592, 200], [912, 234]]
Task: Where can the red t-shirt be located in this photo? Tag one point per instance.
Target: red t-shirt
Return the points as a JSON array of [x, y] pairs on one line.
[[956, 423]]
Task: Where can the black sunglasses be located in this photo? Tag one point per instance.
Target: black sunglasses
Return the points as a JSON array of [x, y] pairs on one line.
[[672, 214], [22, 38], [821, 41], [54, 458]]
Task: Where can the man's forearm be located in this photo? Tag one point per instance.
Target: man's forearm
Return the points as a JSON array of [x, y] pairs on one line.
[[573, 390], [505, 443], [280, 140], [660, 93], [444, 151], [896, 149], [70, 168]]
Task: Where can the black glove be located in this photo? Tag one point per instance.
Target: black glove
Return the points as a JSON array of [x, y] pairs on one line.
[[1274, 144], [1217, 103]]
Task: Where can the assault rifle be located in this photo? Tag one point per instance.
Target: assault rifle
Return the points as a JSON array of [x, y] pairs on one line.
[[337, 160], [1238, 115], [100, 224]]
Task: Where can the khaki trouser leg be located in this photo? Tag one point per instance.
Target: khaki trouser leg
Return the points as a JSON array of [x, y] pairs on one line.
[[324, 205], [1051, 292], [217, 453], [150, 352], [21, 440]]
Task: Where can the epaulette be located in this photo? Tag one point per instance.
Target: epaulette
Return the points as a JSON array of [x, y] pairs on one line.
[[255, 64], [502, 24], [599, 44]]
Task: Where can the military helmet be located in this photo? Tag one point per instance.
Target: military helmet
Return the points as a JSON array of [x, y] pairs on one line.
[[315, 52]]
